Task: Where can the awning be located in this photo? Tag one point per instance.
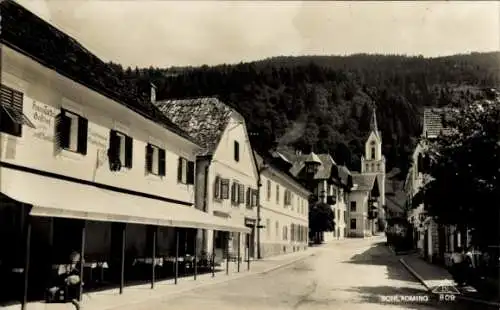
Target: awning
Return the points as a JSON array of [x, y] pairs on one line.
[[52, 197]]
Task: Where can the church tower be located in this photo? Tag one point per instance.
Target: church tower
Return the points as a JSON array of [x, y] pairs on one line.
[[373, 162]]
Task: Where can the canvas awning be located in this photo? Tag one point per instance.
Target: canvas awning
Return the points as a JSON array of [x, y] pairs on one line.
[[52, 197]]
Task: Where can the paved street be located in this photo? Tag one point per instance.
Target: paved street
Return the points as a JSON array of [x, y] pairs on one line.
[[347, 275]]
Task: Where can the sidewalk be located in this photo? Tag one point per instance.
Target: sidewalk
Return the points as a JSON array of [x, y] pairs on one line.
[[111, 299], [433, 276]]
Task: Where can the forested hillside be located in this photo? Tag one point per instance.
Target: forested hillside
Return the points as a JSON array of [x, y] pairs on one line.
[[325, 102]]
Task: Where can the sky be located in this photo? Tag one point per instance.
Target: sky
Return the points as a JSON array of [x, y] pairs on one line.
[[181, 33]]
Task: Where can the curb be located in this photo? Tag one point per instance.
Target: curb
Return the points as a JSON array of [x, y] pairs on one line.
[[415, 274], [460, 297], [200, 285]]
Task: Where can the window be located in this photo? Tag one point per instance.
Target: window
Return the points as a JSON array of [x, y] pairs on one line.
[[12, 117], [224, 189], [120, 150], [378, 167], [285, 233], [71, 132], [218, 188], [268, 227], [353, 223], [368, 167], [277, 228], [268, 190], [353, 206], [185, 171], [277, 194], [236, 151], [373, 153], [254, 197], [155, 160], [234, 193], [249, 197], [287, 198]]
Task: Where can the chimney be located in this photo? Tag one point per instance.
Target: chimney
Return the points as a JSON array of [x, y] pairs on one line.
[[153, 93]]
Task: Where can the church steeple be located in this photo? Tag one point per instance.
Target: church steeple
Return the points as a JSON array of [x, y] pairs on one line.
[[373, 122]]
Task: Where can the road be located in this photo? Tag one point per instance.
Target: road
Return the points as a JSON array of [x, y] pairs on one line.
[[347, 275]]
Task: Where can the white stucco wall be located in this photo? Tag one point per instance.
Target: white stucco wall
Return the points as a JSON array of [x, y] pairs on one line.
[[46, 92], [276, 214], [361, 214], [243, 171]]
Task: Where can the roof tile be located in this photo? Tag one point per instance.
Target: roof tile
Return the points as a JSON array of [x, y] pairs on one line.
[[204, 119]]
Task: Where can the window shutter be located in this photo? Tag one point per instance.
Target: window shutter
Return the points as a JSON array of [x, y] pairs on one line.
[[162, 162], [128, 151], [63, 124], [83, 126], [233, 193], [179, 170], [113, 151], [190, 172], [149, 159], [249, 197], [217, 188], [254, 198], [241, 195]]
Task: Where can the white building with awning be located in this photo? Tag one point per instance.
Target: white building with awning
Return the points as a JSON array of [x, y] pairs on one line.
[[87, 164]]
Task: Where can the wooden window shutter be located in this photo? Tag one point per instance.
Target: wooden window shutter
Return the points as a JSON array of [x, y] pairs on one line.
[[217, 188], [114, 151], [241, 195], [190, 172], [63, 124], [83, 127], [161, 162], [249, 197], [128, 151], [149, 158], [179, 169], [234, 198]]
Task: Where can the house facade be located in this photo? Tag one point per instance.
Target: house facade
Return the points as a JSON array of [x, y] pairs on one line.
[[365, 189], [226, 167], [328, 182], [435, 242], [83, 169], [284, 209]]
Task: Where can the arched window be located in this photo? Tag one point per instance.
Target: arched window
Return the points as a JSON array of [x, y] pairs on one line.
[[367, 167]]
